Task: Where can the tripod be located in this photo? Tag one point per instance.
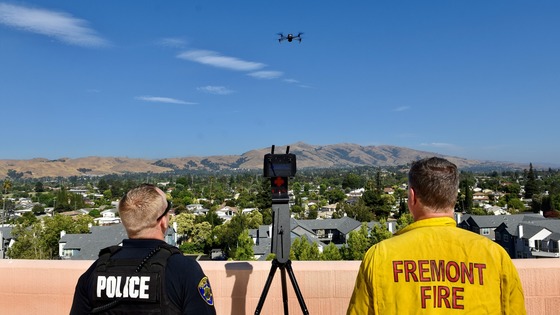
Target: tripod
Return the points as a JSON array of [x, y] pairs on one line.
[[278, 167], [283, 267]]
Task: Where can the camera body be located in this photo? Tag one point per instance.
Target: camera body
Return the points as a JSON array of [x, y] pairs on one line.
[[279, 165]]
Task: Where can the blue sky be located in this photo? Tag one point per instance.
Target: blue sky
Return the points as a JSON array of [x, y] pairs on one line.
[[157, 79]]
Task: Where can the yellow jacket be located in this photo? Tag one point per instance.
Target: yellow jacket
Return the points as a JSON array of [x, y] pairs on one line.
[[434, 267]]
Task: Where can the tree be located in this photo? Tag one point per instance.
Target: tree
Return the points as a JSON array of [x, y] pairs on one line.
[[244, 250], [185, 225], [335, 195], [38, 209], [359, 211], [404, 220], [378, 203], [331, 252], [531, 185], [302, 249], [39, 240], [202, 235], [515, 205], [380, 232], [352, 181], [39, 187], [358, 243], [465, 200]]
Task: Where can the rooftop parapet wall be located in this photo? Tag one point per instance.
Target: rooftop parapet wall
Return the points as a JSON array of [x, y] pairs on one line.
[[46, 287]]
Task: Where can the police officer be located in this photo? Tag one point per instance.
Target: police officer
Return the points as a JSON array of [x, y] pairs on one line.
[[432, 266], [145, 275]]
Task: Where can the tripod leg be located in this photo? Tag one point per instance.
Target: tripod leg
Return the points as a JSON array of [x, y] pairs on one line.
[[296, 288], [284, 290], [266, 286]]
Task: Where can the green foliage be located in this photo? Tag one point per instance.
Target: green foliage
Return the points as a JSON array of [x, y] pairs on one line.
[[331, 252], [465, 197], [358, 243], [515, 205], [353, 181], [244, 250], [359, 211], [38, 210], [404, 220], [380, 232], [95, 213], [302, 249], [39, 239], [39, 187]]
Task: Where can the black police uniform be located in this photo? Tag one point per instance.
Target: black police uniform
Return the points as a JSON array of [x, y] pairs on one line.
[[186, 289]]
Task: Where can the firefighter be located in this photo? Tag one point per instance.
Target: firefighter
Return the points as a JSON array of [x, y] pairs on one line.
[[432, 266]]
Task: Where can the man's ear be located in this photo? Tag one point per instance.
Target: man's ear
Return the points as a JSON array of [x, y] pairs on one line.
[[411, 197], [163, 223]]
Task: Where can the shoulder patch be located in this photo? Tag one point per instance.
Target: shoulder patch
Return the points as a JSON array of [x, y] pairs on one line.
[[205, 291]]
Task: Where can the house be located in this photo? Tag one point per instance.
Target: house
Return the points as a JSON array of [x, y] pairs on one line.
[[326, 212], [486, 224], [226, 213], [331, 230], [86, 246], [320, 232], [533, 237], [108, 217], [480, 198], [6, 239]]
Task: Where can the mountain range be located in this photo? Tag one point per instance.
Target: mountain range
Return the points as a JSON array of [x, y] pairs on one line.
[[308, 156]]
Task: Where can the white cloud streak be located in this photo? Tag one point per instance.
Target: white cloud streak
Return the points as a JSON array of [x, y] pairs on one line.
[[58, 25], [266, 74], [291, 81], [159, 99], [401, 108], [218, 90], [212, 58], [172, 42]]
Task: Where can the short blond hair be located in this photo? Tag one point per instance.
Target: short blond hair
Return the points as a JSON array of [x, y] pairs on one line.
[[139, 209]]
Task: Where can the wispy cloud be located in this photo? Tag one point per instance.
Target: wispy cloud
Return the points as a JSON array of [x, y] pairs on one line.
[[401, 108], [59, 25], [172, 42], [266, 74], [291, 80], [159, 99], [219, 90], [212, 58]]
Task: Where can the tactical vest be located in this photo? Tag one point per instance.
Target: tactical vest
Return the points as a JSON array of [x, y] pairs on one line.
[[132, 286]]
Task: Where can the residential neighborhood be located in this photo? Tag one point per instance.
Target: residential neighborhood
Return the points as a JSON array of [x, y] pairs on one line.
[[208, 223]]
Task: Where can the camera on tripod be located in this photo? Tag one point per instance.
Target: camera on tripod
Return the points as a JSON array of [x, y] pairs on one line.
[[279, 167]]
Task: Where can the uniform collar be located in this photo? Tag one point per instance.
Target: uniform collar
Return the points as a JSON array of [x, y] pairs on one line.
[[142, 243], [443, 221]]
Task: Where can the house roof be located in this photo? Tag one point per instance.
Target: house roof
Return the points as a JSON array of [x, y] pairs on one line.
[[6, 232], [530, 230], [91, 243], [345, 225], [493, 221]]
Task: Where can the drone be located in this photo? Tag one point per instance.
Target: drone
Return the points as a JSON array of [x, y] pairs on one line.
[[289, 37]]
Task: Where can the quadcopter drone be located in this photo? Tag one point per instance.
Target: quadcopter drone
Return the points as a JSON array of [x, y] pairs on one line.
[[289, 37]]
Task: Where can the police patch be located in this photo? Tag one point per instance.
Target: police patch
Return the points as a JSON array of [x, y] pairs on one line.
[[205, 291]]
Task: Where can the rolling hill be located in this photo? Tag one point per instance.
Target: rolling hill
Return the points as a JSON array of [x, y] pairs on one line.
[[308, 156]]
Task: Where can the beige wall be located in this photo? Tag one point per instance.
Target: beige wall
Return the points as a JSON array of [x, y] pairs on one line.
[[46, 287]]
